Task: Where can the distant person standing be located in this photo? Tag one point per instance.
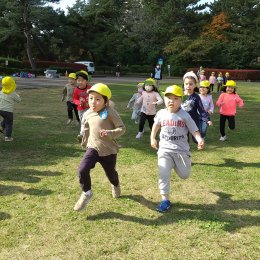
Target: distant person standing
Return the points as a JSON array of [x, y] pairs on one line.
[[157, 75], [226, 78], [118, 70], [212, 81]]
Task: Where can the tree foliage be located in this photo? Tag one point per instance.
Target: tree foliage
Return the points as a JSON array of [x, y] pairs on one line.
[[226, 34]]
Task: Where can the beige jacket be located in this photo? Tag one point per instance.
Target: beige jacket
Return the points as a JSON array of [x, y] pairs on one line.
[[93, 124]]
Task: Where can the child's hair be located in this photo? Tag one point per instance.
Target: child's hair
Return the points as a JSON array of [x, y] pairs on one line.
[[150, 82], [192, 75], [83, 74], [231, 84], [212, 73]]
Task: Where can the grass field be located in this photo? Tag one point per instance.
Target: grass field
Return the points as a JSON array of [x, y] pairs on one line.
[[215, 213]]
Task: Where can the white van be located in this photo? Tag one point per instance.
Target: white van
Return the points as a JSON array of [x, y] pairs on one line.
[[90, 65]]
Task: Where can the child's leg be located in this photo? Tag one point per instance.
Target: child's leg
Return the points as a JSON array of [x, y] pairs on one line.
[[222, 122], [150, 119], [69, 109], [203, 128], [231, 122], [142, 122], [87, 163], [76, 111], [7, 123], [182, 165], [109, 164], [165, 164]]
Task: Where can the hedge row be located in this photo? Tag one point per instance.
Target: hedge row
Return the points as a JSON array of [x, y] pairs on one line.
[[249, 75]]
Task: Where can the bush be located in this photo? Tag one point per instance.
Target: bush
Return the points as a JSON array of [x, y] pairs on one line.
[[12, 63]]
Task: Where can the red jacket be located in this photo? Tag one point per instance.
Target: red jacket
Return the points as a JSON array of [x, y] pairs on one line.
[[80, 97]]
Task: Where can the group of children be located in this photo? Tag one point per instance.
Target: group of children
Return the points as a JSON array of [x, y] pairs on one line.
[[220, 79], [185, 112]]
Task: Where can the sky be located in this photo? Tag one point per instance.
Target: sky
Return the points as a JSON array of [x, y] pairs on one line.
[[65, 3]]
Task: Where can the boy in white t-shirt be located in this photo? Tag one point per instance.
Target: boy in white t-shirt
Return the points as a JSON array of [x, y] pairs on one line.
[[174, 150]]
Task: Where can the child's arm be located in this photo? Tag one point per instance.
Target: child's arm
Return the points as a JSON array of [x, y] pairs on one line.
[[64, 94], [155, 129], [199, 140], [159, 99], [211, 106], [203, 114], [239, 101], [75, 97], [220, 102], [16, 97], [131, 102]]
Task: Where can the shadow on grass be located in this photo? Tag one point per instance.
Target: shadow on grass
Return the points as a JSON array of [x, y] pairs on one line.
[[213, 214], [232, 163], [4, 215], [26, 175], [6, 190]]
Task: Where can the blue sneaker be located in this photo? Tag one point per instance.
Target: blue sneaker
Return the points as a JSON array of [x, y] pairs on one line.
[[163, 206]]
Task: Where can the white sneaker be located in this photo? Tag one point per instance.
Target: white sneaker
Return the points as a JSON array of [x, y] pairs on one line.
[[8, 139], [223, 138], [83, 200], [139, 135], [116, 191], [69, 121]]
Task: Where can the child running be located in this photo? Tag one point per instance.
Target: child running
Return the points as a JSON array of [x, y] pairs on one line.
[[150, 99], [193, 104], [227, 102], [102, 125], [174, 150], [219, 82], [208, 105], [80, 97], [134, 106], [8, 97], [67, 95]]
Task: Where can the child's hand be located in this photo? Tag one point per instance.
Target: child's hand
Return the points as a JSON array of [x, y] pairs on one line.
[[154, 143], [201, 145], [103, 132], [210, 123]]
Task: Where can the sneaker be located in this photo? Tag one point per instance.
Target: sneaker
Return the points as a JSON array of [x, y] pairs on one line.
[[116, 191], [83, 200], [139, 135], [69, 121], [8, 139], [163, 206], [79, 137], [223, 138]]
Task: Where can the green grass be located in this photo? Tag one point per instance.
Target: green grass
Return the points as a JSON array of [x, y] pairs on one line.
[[215, 212]]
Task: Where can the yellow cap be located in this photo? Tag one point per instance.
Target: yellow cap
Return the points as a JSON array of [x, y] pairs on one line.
[[175, 90], [140, 85], [9, 85], [101, 89], [72, 75], [83, 74], [150, 81], [231, 84], [204, 84]]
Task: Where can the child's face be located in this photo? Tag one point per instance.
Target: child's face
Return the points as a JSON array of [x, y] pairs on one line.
[[229, 90], [203, 91], [189, 85], [96, 101], [148, 88], [71, 81], [82, 83], [140, 90], [172, 103]]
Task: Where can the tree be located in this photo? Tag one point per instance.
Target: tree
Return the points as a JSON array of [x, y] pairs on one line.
[[21, 16]]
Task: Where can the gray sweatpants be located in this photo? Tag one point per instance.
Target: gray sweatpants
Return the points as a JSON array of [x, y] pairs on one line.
[[167, 160]]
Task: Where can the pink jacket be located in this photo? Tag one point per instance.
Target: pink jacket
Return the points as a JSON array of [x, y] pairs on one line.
[[212, 79], [228, 103]]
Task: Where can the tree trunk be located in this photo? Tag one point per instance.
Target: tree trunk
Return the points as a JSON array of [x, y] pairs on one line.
[[29, 49]]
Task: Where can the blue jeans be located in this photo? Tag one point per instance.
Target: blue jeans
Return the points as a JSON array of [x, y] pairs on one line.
[[7, 123], [203, 126]]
